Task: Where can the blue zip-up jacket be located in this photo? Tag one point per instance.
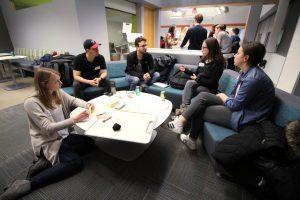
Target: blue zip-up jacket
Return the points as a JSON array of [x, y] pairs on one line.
[[254, 100]]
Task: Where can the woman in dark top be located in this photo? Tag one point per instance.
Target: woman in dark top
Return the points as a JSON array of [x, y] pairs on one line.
[[207, 76], [251, 100]]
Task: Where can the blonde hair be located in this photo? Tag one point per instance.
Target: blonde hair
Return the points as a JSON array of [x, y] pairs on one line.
[[292, 133], [41, 78]]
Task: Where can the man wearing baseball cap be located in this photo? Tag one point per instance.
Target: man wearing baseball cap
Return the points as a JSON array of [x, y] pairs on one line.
[[89, 70]]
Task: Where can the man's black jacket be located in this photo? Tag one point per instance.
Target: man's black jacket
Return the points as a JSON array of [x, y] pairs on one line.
[[146, 62]]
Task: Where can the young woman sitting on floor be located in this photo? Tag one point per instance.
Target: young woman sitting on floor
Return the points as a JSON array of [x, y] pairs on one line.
[[250, 101], [50, 129]]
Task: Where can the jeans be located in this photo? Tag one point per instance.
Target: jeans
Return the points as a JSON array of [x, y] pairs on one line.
[[191, 89], [134, 81], [206, 107], [78, 87], [69, 161]]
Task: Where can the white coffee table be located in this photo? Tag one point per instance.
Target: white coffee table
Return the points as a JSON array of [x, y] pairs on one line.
[[126, 145]]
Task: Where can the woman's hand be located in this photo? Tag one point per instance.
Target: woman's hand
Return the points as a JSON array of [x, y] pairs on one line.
[[182, 68], [193, 77], [90, 107], [81, 116], [222, 96]]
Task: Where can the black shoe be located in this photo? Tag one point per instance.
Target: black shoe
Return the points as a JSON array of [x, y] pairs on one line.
[[40, 165], [18, 189]]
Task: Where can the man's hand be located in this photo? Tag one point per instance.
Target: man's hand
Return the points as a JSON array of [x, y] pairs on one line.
[[222, 96], [97, 80], [193, 77], [93, 83], [146, 76]]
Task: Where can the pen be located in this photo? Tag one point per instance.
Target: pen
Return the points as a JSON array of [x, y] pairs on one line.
[[106, 119]]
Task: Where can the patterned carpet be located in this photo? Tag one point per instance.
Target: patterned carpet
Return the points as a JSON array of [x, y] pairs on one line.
[[167, 170]]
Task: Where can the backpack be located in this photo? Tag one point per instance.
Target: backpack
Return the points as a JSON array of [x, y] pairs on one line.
[[179, 79], [163, 65], [64, 67]]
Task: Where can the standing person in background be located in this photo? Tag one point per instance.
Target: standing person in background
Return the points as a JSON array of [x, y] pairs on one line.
[[212, 31], [223, 38], [195, 35], [170, 38], [51, 133], [235, 39], [140, 69], [89, 70]]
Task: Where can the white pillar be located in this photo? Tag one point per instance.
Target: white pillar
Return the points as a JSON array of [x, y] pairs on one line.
[[277, 30], [252, 22]]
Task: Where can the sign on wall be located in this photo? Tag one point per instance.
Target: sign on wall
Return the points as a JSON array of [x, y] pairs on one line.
[[21, 4]]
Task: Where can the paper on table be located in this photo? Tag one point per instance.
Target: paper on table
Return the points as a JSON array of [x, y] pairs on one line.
[[163, 85], [86, 124]]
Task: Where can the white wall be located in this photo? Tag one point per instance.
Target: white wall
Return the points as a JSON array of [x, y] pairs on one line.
[[236, 14], [266, 8], [60, 25], [291, 67], [48, 26], [92, 24]]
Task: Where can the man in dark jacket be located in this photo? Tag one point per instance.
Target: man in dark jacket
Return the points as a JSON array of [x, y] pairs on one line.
[[196, 35], [140, 68]]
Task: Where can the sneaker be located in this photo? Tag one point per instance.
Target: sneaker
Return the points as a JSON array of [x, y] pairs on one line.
[[175, 126], [190, 143], [18, 189]]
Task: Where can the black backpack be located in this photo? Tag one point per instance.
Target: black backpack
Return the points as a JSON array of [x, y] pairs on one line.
[[163, 65], [179, 79], [64, 67]]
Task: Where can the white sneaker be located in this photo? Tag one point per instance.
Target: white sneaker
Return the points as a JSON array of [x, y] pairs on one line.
[[175, 126], [191, 144]]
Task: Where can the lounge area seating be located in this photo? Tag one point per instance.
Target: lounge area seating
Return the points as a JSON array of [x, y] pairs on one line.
[[287, 106], [116, 73]]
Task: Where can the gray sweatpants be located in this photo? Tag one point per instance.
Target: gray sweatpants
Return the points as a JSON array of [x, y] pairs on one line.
[[190, 90], [206, 107]]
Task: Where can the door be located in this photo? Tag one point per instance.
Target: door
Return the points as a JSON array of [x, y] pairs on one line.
[[149, 26]]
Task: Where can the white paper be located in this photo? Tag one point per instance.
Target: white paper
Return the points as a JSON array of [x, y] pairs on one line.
[[163, 85], [126, 27]]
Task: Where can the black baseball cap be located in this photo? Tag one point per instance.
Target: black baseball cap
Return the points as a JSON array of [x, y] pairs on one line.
[[89, 43]]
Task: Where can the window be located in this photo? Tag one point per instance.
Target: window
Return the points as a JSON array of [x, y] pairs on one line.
[[115, 19]]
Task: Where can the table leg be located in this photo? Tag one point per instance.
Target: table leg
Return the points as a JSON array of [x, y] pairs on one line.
[[2, 78], [15, 85]]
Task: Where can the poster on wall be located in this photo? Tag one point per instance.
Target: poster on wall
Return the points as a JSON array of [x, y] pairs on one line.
[[21, 4]]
